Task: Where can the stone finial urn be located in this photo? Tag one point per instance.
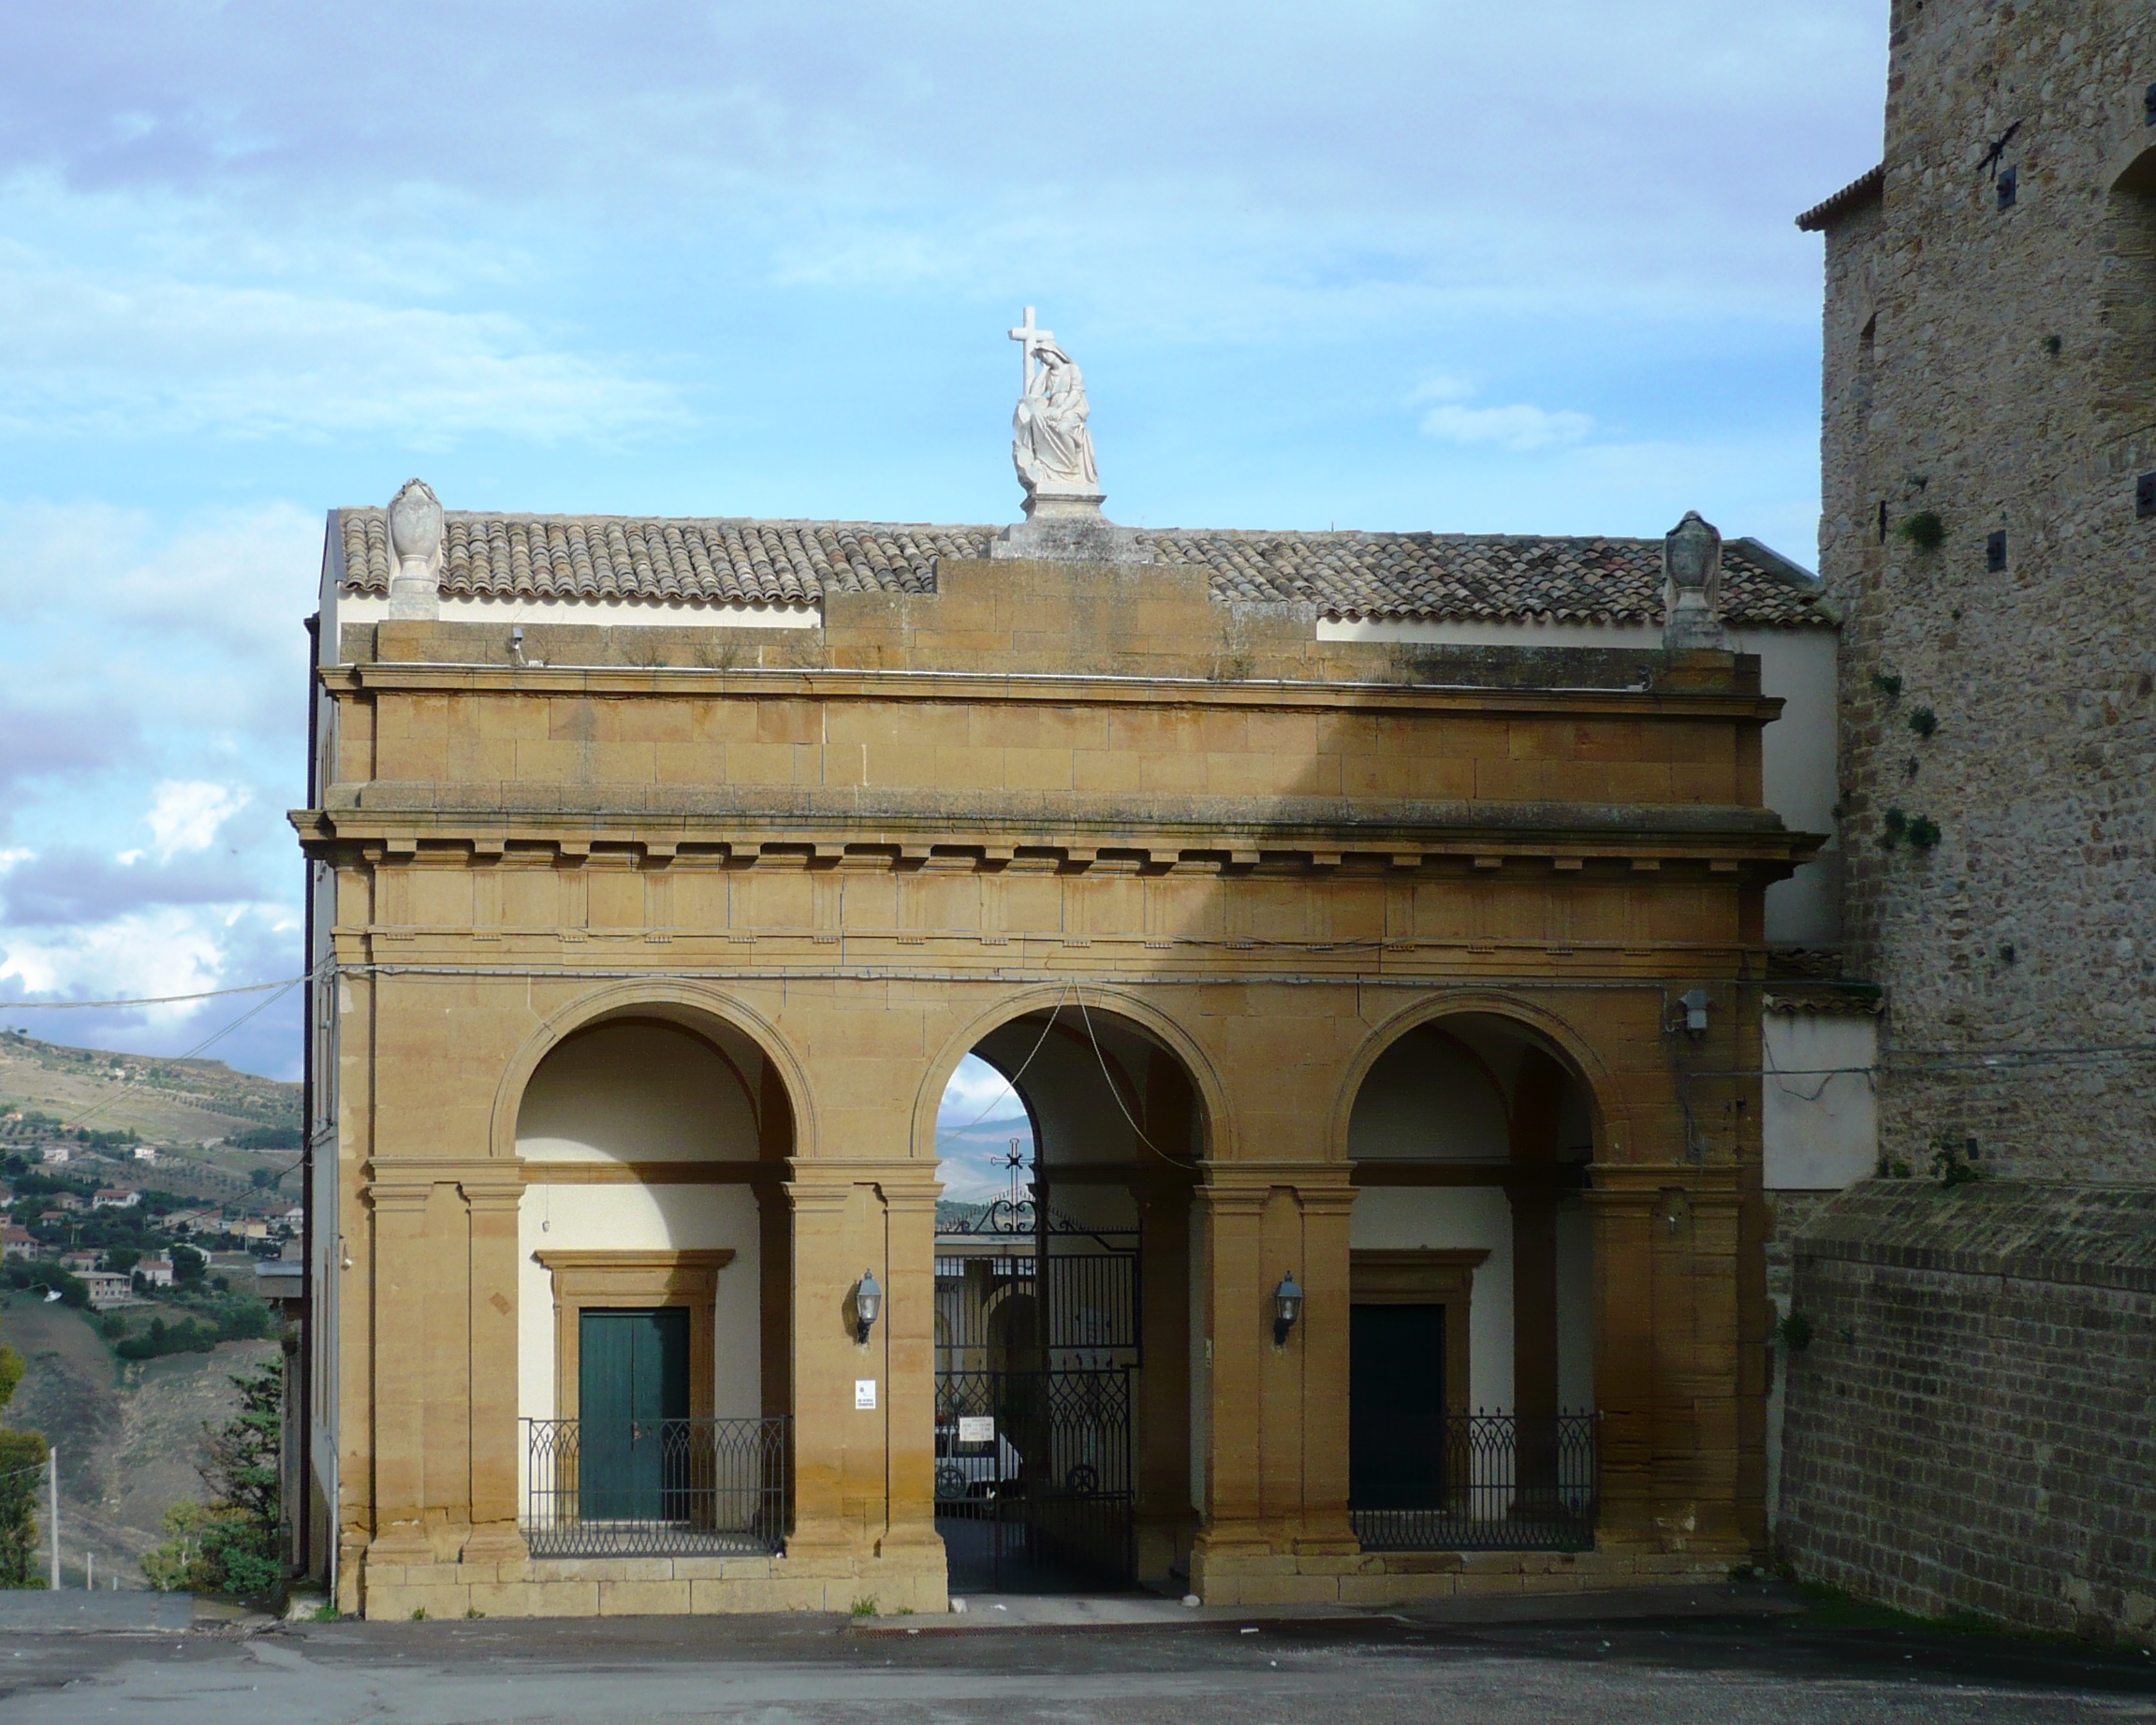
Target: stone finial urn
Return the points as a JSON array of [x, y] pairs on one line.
[[1692, 586], [418, 536]]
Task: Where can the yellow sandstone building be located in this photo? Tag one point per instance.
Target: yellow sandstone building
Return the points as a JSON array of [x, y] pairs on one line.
[[1387, 1012]]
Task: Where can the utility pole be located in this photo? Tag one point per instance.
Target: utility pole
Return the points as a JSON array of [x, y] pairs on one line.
[[52, 1484]]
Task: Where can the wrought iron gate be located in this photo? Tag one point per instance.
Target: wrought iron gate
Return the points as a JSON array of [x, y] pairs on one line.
[[1033, 1452], [1034, 1488]]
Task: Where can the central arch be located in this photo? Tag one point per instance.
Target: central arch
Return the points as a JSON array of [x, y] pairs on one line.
[[1064, 1313]]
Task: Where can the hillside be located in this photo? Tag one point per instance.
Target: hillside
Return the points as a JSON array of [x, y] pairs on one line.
[[168, 1102], [130, 1435]]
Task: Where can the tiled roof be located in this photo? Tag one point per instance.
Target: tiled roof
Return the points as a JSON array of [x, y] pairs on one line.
[[1423, 577], [1866, 186]]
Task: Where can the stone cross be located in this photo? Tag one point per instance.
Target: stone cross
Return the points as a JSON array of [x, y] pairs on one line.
[[1028, 340]]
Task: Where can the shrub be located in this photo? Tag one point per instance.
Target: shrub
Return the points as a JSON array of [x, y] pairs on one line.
[[233, 1544], [1925, 530], [266, 1138], [23, 1465], [1923, 720]]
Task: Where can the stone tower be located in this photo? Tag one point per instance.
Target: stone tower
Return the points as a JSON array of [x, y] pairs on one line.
[[1989, 533]]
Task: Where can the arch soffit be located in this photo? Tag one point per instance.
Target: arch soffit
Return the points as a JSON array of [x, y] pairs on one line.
[[1196, 1066], [691, 1006], [2132, 171], [1612, 1119]]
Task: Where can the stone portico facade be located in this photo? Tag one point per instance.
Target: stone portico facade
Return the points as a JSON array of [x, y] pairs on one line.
[[836, 856]]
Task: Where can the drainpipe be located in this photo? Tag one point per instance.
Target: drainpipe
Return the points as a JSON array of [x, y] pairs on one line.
[[306, 1422]]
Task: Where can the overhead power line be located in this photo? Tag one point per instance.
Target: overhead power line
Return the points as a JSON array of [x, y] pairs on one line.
[[148, 999]]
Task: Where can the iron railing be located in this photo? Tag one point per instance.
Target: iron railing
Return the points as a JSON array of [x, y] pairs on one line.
[[1496, 1482], [658, 1488]]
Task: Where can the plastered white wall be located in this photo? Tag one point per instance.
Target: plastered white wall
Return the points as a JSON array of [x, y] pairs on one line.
[[635, 1093], [643, 1219], [1427, 1100], [1819, 1120], [639, 1092], [1452, 1219]]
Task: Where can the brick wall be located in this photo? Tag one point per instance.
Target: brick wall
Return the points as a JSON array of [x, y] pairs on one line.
[[1972, 1426]]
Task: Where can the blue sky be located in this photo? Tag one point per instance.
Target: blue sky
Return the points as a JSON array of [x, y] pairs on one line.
[[1465, 268]]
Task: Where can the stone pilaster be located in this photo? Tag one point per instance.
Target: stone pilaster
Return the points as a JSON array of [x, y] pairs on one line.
[[398, 1212], [493, 1205]]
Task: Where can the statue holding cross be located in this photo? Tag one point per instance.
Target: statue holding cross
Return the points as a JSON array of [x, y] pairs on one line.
[[1051, 446]]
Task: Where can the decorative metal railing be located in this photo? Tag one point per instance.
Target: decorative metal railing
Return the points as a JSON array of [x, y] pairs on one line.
[[655, 1488], [1494, 1482]]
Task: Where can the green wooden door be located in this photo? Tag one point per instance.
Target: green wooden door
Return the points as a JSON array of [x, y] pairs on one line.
[[632, 1378], [1396, 1407]]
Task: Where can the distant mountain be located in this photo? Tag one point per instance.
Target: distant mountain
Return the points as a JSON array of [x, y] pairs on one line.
[[992, 1135]]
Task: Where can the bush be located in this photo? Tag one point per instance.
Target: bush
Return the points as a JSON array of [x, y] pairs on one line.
[[266, 1138], [236, 1317], [1925, 530], [22, 1475], [234, 1544], [46, 1277]]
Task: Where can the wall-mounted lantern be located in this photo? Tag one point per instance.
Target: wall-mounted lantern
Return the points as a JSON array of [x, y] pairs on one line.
[[868, 1307], [1286, 1308], [1694, 1003]]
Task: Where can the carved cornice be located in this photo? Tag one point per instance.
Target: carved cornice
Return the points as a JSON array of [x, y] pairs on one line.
[[1490, 839], [375, 678]]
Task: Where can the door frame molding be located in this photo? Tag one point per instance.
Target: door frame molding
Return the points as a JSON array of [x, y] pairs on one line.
[[1427, 1276], [634, 1281]]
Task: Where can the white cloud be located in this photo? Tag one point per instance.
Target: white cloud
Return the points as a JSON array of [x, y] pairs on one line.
[[13, 854], [1518, 427], [164, 951], [975, 1087], [187, 815], [115, 354]]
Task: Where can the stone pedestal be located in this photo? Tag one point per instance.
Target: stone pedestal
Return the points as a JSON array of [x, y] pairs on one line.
[[1069, 527]]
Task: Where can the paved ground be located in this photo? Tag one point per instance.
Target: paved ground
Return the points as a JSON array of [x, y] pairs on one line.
[[1371, 1670]]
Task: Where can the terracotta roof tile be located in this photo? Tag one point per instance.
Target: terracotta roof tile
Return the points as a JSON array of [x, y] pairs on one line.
[[1381, 577]]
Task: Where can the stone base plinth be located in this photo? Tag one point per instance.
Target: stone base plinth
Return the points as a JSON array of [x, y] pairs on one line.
[[649, 1586], [1253, 1576], [1069, 529]]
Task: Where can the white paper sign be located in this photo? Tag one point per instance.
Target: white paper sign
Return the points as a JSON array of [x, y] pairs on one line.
[[976, 1428], [864, 1392]]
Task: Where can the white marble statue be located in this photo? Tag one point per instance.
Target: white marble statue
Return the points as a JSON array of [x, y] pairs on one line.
[[1050, 443]]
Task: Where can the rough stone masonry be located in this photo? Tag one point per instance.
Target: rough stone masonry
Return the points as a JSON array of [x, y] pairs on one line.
[[1989, 467]]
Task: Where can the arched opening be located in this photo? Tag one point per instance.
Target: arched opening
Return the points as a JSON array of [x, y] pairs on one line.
[[2127, 287], [1064, 1307], [653, 1368], [1472, 1294]]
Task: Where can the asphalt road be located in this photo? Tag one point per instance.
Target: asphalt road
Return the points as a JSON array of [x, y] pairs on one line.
[[776, 1672]]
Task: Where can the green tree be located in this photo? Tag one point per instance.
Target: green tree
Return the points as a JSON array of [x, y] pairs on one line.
[[234, 1544], [21, 1469], [23, 1465]]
